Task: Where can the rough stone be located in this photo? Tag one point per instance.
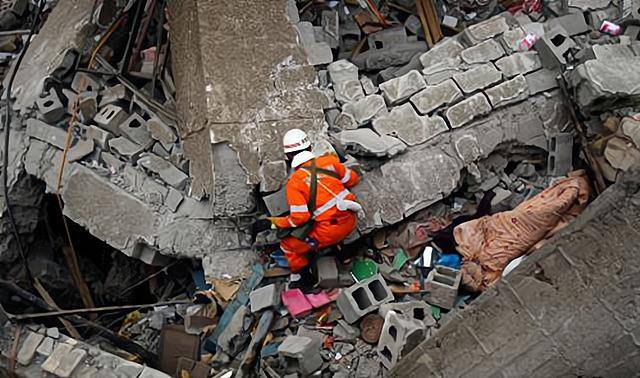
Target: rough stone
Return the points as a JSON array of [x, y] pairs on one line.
[[272, 176], [401, 88], [367, 142], [173, 200], [466, 110], [404, 123], [397, 54], [28, 349], [317, 52], [81, 149], [604, 85], [125, 148], [264, 297], [541, 81], [110, 117], [52, 135], [436, 96], [518, 64], [509, 92], [448, 48], [167, 171], [365, 109], [486, 29], [342, 71], [483, 52], [50, 107], [511, 39], [161, 132], [368, 86], [478, 78], [348, 91], [435, 77], [588, 4]]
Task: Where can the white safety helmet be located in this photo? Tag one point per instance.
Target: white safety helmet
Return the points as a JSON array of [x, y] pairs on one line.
[[295, 140], [302, 158]]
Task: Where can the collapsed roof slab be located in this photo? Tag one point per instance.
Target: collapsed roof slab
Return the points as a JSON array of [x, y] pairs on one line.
[[241, 77]]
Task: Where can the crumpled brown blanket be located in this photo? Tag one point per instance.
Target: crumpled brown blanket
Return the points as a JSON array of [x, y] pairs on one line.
[[488, 244]]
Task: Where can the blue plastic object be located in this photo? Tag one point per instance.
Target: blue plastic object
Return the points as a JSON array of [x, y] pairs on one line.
[[452, 260], [278, 257]]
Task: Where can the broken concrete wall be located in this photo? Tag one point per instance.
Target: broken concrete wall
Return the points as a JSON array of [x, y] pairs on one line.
[[241, 78], [570, 309]]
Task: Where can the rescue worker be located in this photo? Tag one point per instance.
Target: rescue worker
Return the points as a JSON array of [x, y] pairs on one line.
[[334, 214]]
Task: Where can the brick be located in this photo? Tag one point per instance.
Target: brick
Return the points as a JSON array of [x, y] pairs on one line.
[[553, 46], [519, 63], [509, 92], [401, 88], [486, 29], [52, 135], [28, 349], [483, 52], [54, 360], [435, 96], [69, 362], [348, 91], [110, 117], [327, 272], [447, 49], [478, 77], [125, 148], [399, 336], [50, 107], [560, 159], [264, 297], [404, 123], [362, 298], [134, 128], [468, 109], [417, 310], [442, 286], [365, 109], [302, 354], [164, 169], [541, 81]]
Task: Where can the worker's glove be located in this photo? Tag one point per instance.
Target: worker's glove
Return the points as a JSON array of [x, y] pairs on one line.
[[274, 222]]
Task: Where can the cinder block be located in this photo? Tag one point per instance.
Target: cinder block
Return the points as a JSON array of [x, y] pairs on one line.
[[442, 286], [327, 271], [554, 46], [399, 336], [264, 297], [560, 159], [83, 82], [302, 354], [50, 107], [100, 136], [135, 129], [364, 297], [418, 310], [110, 117]]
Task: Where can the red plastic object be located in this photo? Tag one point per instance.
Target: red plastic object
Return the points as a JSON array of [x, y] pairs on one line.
[[296, 303], [318, 300]]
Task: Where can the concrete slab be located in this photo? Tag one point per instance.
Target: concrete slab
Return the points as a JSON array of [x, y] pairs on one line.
[[468, 109], [478, 77], [404, 123]]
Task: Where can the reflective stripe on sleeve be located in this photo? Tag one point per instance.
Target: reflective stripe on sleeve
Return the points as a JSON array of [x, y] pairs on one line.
[[334, 201], [291, 223], [346, 177], [298, 209]]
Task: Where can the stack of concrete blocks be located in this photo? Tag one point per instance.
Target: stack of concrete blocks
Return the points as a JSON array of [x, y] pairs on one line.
[[301, 354], [442, 286], [364, 297], [400, 335], [46, 352]]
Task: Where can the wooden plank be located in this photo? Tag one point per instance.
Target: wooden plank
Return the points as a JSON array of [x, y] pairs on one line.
[[425, 25], [73, 332]]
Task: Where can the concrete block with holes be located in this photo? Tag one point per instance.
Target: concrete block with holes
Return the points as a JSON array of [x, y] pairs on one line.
[[442, 286], [134, 128], [399, 336], [110, 117], [362, 298], [50, 107], [418, 310], [560, 159], [554, 46]]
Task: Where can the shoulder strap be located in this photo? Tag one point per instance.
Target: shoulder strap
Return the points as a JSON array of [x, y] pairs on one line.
[[313, 186], [324, 172]]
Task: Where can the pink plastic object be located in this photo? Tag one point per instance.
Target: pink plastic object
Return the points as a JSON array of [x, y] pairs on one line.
[[527, 42], [610, 28], [318, 300], [296, 303]]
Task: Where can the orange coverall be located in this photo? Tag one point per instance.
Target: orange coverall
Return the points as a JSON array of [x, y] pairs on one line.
[[332, 225]]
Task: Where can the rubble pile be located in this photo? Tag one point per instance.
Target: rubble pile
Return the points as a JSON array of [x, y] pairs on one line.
[[161, 147]]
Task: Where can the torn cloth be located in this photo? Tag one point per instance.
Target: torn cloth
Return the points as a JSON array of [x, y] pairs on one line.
[[488, 244]]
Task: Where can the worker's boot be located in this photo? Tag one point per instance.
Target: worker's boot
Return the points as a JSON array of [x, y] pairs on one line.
[[304, 280]]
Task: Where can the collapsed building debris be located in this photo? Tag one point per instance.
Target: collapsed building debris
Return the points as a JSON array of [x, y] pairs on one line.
[[160, 135]]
